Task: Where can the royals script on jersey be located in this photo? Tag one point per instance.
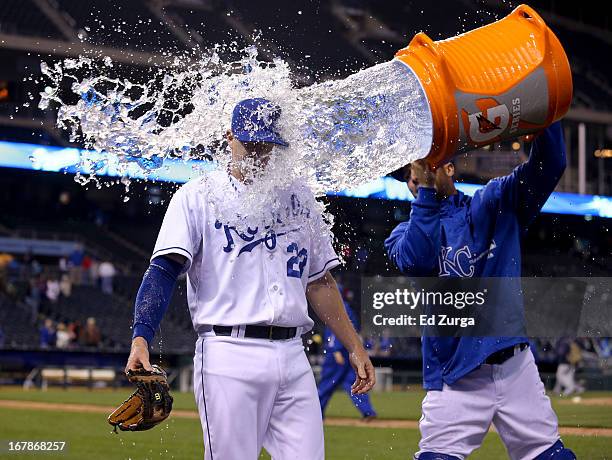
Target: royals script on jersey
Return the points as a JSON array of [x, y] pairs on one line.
[[252, 276]]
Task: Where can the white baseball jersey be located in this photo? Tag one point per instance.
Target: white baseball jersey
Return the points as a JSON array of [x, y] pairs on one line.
[[235, 278]]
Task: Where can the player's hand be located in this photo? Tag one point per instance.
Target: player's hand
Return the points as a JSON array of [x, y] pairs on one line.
[[339, 358], [364, 369], [421, 174], [139, 355]]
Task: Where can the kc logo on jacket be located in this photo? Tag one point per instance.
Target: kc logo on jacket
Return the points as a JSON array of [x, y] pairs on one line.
[[461, 262]]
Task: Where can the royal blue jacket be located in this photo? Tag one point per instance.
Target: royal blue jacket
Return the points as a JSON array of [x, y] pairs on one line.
[[477, 236]]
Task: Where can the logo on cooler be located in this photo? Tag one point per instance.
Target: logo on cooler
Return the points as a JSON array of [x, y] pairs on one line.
[[489, 123]]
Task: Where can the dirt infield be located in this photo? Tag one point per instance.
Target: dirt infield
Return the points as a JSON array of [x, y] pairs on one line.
[[412, 424], [85, 408], [587, 401], [331, 421]]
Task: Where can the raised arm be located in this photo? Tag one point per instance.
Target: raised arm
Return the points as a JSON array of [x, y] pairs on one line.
[[528, 187], [325, 300], [413, 246]]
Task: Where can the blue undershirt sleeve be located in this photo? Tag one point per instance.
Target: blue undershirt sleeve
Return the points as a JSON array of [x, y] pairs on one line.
[[154, 296]]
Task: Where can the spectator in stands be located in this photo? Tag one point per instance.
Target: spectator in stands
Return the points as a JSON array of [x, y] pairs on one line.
[[66, 285], [75, 329], [94, 271], [53, 289], [41, 281], [27, 261], [35, 267], [75, 261], [31, 266], [86, 267], [47, 334], [63, 265], [14, 268], [90, 334], [2, 338], [5, 260], [63, 337], [34, 297], [569, 357], [107, 273]]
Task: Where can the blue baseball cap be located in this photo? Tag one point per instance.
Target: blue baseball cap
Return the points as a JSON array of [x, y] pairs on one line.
[[255, 120]]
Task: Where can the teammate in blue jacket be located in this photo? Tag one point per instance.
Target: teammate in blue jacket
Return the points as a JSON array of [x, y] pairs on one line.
[[472, 382], [337, 371]]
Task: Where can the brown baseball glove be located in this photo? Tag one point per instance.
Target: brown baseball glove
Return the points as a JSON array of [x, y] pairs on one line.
[[148, 406]]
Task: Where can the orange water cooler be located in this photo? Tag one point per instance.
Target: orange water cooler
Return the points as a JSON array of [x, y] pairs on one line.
[[497, 82]]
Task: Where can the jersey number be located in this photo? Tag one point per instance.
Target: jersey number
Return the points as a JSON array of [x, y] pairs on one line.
[[296, 263]]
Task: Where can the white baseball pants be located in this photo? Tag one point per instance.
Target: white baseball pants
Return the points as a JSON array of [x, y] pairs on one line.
[[455, 420], [566, 380], [253, 393]]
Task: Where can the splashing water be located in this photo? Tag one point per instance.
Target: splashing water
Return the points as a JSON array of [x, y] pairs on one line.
[[342, 133], [363, 127]]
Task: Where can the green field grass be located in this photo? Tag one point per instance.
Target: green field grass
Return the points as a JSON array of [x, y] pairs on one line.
[[407, 405], [393, 405], [88, 436]]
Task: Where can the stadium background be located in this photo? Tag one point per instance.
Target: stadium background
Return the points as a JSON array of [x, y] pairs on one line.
[[57, 237]]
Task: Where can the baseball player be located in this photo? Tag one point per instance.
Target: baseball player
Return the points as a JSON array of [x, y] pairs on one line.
[[472, 382], [248, 293], [337, 371]]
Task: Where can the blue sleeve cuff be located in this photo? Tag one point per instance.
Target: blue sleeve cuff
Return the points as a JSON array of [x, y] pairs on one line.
[[426, 196], [170, 266], [144, 331]]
